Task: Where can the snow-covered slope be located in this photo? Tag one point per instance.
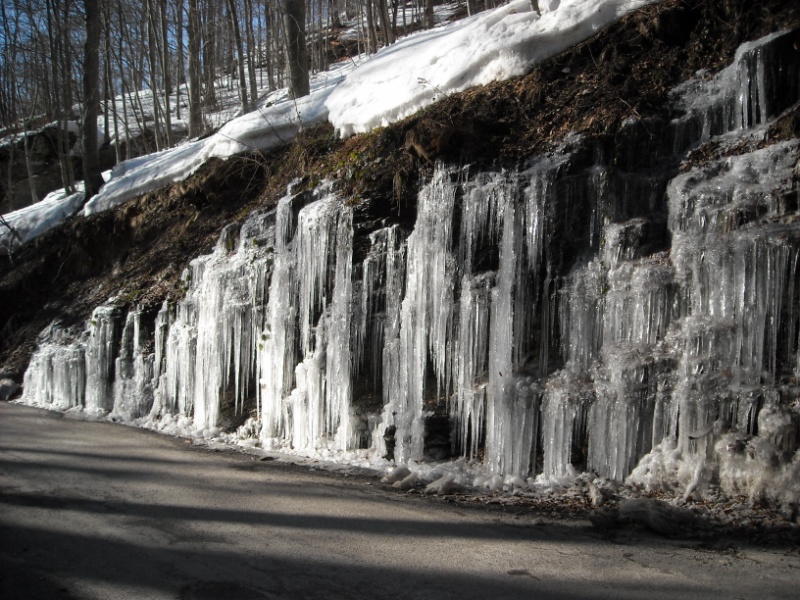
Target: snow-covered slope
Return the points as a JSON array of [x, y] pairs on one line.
[[389, 86]]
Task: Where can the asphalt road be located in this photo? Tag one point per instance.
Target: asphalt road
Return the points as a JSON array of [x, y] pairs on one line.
[[98, 510]]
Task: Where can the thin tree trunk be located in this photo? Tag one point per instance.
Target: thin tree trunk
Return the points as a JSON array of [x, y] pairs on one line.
[[114, 116], [373, 36], [209, 55], [108, 98], [428, 14], [68, 97], [269, 30], [237, 38], [153, 66], [8, 103], [251, 52], [123, 83], [333, 14], [181, 72], [166, 71], [388, 33], [60, 90], [28, 168], [92, 178], [9, 191], [195, 109], [294, 19]]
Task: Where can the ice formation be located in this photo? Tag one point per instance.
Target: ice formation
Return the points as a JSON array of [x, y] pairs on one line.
[[605, 315]]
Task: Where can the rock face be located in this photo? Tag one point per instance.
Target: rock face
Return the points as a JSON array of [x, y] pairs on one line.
[[593, 309]]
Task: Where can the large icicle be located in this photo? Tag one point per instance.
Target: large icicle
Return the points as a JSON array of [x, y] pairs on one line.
[[56, 375], [101, 352], [426, 317], [276, 344], [309, 312], [133, 388]]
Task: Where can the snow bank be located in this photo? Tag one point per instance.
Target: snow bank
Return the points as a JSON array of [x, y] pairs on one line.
[[396, 82], [263, 129], [32, 221], [416, 71]]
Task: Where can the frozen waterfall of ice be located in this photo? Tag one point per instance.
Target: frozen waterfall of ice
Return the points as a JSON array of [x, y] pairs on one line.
[[568, 315]]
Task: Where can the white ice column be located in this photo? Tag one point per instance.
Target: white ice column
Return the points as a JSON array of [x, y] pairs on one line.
[[469, 404], [339, 356], [56, 375], [177, 383], [426, 316], [307, 403], [582, 312], [101, 352], [565, 406], [277, 342], [504, 441], [133, 388]]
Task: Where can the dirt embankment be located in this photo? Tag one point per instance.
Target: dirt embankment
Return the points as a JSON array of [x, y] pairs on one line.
[[139, 250]]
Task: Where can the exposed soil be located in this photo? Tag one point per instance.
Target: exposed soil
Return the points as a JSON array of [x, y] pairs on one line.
[[139, 250]]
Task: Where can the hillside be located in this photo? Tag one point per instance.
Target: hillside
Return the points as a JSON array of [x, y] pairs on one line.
[[605, 137], [501, 124]]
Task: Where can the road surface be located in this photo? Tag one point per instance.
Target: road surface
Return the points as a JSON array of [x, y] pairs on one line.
[[102, 511]]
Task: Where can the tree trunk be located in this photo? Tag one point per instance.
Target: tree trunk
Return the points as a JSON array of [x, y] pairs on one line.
[[373, 36], [108, 89], [237, 38], [269, 28], [251, 53], [92, 178], [195, 109], [428, 14], [294, 18], [386, 23], [166, 68], [181, 74], [209, 55], [60, 89]]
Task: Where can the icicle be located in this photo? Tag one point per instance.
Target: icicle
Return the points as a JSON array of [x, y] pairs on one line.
[[582, 316], [277, 341], [469, 405], [312, 283], [621, 418], [500, 436], [757, 85], [564, 408], [133, 388], [426, 317], [56, 375], [178, 381], [393, 372], [339, 366], [101, 351]]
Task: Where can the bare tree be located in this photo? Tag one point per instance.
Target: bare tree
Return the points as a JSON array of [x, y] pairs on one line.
[[58, 17], [428, 21], [251, 52], [237, 38], [294, 18], [166, 69], [92, 178], [193, 31], [209, 47]]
